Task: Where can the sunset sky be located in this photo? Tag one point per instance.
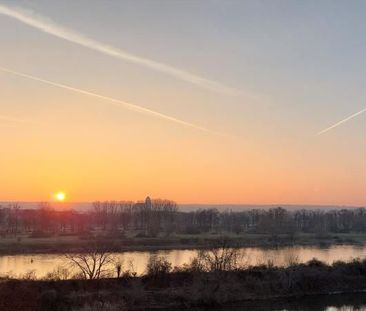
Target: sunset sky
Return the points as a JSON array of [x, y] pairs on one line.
[[196, 101]]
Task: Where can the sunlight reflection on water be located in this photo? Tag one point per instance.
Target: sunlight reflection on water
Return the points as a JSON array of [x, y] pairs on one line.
[[41, 264]]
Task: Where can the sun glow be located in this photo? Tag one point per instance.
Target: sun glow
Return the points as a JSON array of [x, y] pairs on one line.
[[60, 196]]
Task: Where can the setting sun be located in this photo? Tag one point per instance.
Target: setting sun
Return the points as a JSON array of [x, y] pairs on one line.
[[60, 196]]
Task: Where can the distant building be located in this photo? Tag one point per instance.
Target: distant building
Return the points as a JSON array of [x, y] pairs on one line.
[[142, 209], [147, 205]]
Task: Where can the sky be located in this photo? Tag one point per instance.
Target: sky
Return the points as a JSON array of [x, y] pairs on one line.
[[248, 102]]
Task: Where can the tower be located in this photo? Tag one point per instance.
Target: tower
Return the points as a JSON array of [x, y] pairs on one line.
[[148, 203]]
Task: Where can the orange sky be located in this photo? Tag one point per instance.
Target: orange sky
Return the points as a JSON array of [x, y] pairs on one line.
[[262, 101]]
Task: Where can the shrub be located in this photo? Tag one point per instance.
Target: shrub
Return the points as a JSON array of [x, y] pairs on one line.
[[157, 266], [59, 273], [222, 256], [30, 275], [316, 263]]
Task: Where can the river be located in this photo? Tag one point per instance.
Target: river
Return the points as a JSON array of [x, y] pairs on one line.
[[41, 264]]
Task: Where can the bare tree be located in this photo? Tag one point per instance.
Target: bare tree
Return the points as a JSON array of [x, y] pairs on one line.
[[222, 256], [14, 219], [93, 264], [157, 266]]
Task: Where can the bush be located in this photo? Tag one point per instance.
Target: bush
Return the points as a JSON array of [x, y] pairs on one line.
[[157, 266], [222, 256], [316, 263], [30, 275], [59, 273]]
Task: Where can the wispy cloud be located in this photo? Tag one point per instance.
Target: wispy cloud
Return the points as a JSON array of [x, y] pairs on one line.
[[48, 26], [342, 122], [110, 100]]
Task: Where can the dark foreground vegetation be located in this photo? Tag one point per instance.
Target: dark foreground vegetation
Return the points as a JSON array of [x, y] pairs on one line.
[[342, 302], [159, 224], [188, 287]]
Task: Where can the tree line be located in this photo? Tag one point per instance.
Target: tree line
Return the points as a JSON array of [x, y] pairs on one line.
[[162, 216]]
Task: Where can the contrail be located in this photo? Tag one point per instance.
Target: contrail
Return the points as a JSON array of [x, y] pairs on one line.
[[342, 121], [48, 26], [112, 101]]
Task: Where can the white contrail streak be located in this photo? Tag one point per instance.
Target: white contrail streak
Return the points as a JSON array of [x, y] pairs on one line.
[[48, 26], [110, 100], [342, 121]]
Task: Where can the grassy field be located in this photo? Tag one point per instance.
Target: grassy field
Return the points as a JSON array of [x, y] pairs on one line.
[[59, 244]]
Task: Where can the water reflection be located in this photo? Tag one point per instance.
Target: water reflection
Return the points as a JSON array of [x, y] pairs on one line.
[[42, 264]]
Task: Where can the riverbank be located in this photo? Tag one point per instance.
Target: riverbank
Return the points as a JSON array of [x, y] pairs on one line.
[[185, 288], [72, 243]]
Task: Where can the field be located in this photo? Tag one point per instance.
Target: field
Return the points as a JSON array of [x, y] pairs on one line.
[[23, 244]]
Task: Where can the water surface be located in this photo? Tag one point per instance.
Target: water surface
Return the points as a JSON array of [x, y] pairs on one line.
[[41, 264]]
